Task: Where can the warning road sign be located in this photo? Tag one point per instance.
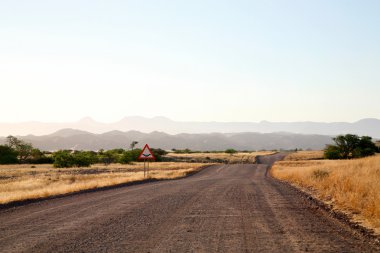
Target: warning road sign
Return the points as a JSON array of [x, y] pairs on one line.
[[146, 153]]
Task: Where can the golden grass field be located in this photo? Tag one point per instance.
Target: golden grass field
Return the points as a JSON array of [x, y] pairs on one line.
[[304, 155], [20, 182], [246, 157], [352, 186]]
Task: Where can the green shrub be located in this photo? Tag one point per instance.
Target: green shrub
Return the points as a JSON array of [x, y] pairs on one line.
[[8, 155], [67, 159], [230, 151], [82, 159], [63, 159]]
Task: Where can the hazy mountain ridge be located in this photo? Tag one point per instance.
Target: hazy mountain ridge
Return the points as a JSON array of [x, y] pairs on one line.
[[81, 140], [370, 127]]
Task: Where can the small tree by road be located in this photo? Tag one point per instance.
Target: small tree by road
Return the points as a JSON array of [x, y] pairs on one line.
[[133, 144], [350, 146], [24, 150]]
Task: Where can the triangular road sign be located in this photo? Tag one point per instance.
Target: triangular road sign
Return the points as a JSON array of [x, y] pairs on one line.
[[146, 153]]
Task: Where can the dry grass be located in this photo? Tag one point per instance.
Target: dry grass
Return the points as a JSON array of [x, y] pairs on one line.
[[21, 182], [352, 186], [240, 157], [304, 155]]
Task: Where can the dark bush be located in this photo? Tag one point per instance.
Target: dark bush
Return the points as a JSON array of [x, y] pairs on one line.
[[8, 155], [230, 151], [82, 159], [63, 159]]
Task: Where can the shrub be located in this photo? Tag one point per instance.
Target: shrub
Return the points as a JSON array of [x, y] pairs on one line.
[[8, 155], [158, 153], [82, 159], [66, 159], [230, 151], [63, 159], [182, 151]]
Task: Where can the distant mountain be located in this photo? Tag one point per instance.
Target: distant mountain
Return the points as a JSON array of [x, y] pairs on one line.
[[81, 140], [370, 127]]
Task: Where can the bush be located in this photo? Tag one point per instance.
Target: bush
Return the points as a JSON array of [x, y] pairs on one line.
[[38, 157], [158, 153], [66, 159], [230, 151], [82, 159], [130, 156], [63, 159], [182, 151], [43, 160], [8, 155]]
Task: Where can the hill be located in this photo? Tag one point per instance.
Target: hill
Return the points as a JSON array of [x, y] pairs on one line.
[[368, 127], [82, 140]]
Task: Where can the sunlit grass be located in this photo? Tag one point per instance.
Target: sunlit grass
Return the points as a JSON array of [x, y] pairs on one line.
[[304, 155], [240, 157], [352, 186], [21, 182]]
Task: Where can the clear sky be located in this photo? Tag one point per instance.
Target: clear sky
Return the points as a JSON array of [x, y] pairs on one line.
[[295, 60]]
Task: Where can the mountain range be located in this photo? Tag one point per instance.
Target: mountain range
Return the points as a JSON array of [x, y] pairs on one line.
[[369, 126], [82, 140]]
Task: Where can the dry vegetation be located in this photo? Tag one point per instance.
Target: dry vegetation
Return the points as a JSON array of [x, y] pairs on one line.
[[305, 155], [240, 157], [20, 182], [352, 186]]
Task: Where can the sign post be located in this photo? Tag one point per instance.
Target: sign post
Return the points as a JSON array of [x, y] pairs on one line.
[[146, 155]]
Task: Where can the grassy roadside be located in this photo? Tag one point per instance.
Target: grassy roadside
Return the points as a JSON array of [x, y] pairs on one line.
[[25, 182], [351, 186], [239, 157]]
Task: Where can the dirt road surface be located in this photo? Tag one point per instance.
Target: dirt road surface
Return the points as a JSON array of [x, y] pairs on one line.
[[224, 208]]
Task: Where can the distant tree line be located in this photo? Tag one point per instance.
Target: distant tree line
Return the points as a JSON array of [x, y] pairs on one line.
[[351, 146], [69, 158], [18, 151]]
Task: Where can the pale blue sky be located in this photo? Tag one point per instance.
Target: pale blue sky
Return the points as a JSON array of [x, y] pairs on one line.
[[190, 60]]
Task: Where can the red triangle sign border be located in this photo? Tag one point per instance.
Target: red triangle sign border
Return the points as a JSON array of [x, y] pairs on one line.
[[144, 157]]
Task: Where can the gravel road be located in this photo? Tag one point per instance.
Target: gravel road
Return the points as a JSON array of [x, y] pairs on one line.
[[223, 208]]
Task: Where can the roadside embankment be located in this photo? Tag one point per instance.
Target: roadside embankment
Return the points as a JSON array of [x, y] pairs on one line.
[[350, 186]]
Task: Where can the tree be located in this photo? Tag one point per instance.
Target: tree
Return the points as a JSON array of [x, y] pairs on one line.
[[230, 151], [83, 159], [346, 144], [7, 155], [24, 150], [332, 152], [350, 146], [365, 147], [133, 144]]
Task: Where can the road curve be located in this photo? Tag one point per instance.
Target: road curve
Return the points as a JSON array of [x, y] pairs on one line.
[[224, 208]]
